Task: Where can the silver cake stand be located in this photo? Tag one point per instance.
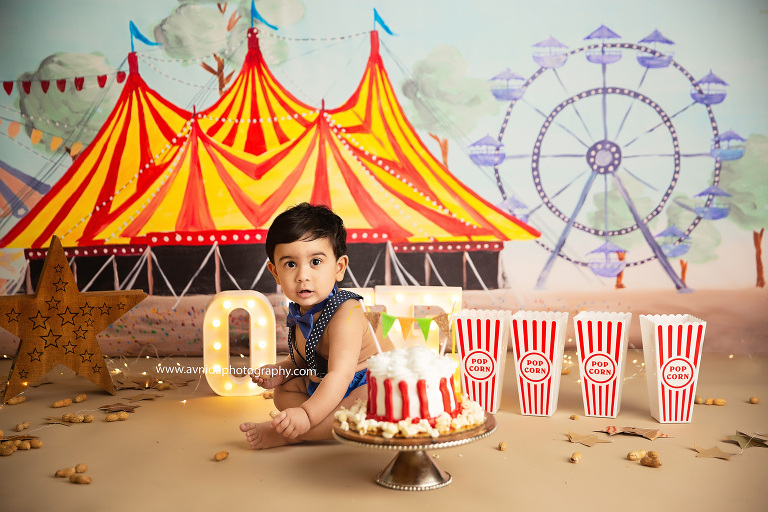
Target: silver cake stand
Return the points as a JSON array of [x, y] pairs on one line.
[[412, 469]]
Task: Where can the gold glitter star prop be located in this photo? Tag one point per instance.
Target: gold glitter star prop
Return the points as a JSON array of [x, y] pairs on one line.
[[59, 324]]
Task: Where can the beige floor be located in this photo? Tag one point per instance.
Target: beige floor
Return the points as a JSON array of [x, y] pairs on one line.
[[161, 459]]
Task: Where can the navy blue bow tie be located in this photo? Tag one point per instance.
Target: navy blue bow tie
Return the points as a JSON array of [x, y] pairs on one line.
[[306, 321]]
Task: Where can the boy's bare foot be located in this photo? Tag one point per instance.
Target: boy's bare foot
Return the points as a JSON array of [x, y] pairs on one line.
[[261, 436]]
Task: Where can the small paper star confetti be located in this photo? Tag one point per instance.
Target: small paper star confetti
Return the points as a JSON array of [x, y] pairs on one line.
[[119, 407], [587, 440], [144, 396], [747, 440], [713, 452], [647, 433]]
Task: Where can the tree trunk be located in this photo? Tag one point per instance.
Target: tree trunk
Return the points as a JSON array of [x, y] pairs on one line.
[[758, 238], [443, 148], [620, 278], [683, 270]]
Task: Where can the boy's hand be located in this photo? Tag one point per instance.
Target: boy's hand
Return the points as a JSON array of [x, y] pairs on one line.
[[292, 422], [268, 376]]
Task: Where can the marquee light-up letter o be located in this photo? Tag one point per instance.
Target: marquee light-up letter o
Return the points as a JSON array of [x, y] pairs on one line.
[[218, 370]]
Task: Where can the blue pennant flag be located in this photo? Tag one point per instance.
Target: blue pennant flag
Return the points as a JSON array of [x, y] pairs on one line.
[[138, 35], [255, 14], [377, 19]]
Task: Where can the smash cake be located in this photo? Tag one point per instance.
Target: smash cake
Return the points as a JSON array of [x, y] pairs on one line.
[[411, 392]]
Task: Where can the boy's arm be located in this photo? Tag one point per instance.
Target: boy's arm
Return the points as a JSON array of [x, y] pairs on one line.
[[345, 334]]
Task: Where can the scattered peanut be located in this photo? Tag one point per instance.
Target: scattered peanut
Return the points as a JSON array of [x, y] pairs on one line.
[[81, 468], [77, 418], [163, 386], [16, 442], [719, 401], [111, 417], [65, 473], [576, 457], [221, 456], [22, 426], [503, 446], [68, 417], [754, 400], [88, 418], [636, 455], [650, 462], [62, 403], [80, 479], [565, 371], [80, 398], [16, 400], [24, 445], [652, 454], [698, 400], [7, 450], [268, 394], [574, 417], [35, 443], [122, 415], [709, 401]]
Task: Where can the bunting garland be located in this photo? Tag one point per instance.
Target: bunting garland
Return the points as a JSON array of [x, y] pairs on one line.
[[55, 142], [61, 83], [406, 322]]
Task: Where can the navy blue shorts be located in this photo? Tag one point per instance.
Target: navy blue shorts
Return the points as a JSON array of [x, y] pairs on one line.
[[358, 380]]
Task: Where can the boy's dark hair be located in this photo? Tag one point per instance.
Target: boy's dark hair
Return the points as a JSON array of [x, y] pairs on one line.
[[307, 222]]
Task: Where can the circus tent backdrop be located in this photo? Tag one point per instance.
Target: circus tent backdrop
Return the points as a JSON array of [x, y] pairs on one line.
[[159, 183]]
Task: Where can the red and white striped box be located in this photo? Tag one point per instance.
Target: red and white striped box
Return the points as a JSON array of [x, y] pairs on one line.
[[538, 340], [482, 337], [672, 345], [601, 342]]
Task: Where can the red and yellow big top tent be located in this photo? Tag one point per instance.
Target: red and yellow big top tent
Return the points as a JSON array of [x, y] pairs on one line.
[[158, 175]]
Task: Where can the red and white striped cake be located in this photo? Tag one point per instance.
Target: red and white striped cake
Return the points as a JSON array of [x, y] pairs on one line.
[[413, 383]]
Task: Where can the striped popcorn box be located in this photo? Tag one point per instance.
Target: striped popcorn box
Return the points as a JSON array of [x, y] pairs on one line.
[[482, 337], [601, 341], [538, 340], [672, 346]]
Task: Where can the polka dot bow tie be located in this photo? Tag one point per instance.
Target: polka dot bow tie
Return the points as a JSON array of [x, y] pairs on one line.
[[306, 321]]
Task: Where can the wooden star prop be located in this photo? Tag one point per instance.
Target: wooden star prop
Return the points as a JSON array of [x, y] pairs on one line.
[[713, 452], [587, 440], [58, 325]]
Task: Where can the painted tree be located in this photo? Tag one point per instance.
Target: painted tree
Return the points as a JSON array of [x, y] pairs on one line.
[[745, 179], [443, 100], [704, 239], [73, 115]]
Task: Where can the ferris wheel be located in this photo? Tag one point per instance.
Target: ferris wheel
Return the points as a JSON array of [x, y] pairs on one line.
[[613, 134]]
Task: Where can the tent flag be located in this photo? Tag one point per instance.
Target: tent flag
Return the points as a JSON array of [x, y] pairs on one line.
[[255, 14], [377, 19], [138, 35]]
